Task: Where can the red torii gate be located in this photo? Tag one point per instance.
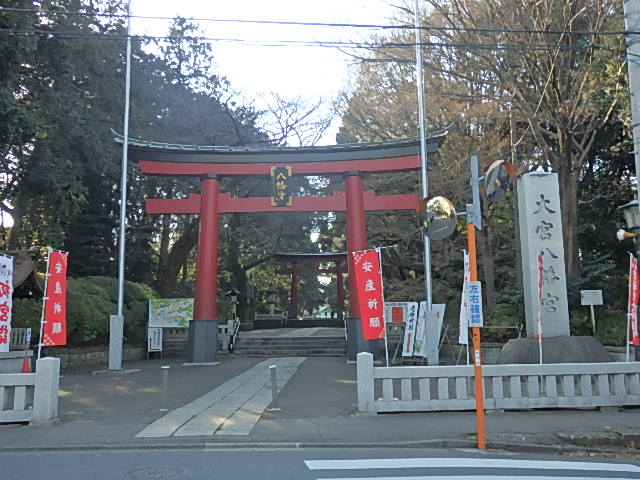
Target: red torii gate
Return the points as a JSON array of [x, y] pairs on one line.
[[209, 163], [295, 259]]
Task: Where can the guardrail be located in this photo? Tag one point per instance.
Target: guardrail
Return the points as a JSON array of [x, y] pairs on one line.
[[530, 386], [31, 397]]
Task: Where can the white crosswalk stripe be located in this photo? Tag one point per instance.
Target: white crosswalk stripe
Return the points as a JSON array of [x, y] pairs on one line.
[[475, 477], [380, 463], [505, 468]]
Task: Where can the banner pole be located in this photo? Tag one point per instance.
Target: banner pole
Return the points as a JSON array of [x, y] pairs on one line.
[[628, 327], [386, 345], [384, 320], [44, 301], [540, 286]]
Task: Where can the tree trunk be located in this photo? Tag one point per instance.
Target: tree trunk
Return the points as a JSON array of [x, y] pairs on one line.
[[488, 271], [185, 270], [516, 217], [568, 180], [177, 257], [238, 273], [164, 249]]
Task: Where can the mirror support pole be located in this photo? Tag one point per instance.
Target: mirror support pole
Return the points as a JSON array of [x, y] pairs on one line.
[[474, 210], [424, 175]]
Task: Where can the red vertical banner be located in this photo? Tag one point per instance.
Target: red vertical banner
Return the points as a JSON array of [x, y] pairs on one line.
[[54, 331], [634, 292], [6, 295], [368, 278]]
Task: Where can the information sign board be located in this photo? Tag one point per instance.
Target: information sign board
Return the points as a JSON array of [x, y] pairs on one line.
[[474, 297], [591, 297], [154, 339], [170, 312]]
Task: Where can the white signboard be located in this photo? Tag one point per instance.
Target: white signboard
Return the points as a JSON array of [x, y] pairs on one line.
[[421, 331], [411, 320], [474, 297], [463, 325], [154, 339], [433, 330], [6, 292], [591, 297], [439, 309]]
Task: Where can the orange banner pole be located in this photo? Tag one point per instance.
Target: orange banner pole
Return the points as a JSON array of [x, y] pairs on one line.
[[477, 358]]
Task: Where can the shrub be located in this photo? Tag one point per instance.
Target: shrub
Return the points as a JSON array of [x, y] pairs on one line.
[[90, 301], [502, 315], [610, 325]]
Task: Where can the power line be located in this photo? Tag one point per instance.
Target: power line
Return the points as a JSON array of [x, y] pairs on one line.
[[295, 43], [322, 24]]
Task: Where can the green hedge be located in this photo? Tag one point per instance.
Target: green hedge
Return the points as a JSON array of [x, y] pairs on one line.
[[90, 301]]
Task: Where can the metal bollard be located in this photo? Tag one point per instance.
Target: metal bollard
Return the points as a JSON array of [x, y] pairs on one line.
[[274, 387], [165, 386]]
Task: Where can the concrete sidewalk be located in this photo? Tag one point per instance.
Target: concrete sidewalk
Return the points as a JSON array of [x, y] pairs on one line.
[[317, 408]]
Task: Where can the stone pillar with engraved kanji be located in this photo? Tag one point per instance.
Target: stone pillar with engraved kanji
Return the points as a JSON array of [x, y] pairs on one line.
[[541, 234]]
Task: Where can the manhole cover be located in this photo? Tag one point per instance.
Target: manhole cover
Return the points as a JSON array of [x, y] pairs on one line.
[[154, 473]]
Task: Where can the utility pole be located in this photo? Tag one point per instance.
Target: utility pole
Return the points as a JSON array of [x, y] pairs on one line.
[[116, 322], [632, 27]]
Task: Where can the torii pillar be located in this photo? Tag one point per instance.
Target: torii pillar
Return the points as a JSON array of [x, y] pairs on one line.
[[356, 240], [203, 329]]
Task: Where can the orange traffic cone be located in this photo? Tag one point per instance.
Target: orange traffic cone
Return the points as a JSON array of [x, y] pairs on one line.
[[26, 365]]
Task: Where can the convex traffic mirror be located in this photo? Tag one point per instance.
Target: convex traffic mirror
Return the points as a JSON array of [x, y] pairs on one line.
[[436, 217], [497, 180]]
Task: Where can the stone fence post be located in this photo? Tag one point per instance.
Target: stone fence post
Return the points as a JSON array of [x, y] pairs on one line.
[[365, 383], [45, 395]]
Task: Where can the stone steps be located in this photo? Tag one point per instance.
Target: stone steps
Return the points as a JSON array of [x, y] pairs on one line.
[[292, 342], [320, 322], [291, 346], [289, 353]]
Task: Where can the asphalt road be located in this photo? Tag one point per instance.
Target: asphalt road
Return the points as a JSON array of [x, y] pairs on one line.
[[290, 464]]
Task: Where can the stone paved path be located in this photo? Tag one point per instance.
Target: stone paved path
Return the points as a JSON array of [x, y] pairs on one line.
[[233, 408]]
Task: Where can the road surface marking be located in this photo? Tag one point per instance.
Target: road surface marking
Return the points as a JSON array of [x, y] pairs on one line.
[[209, 412], [382, 463]]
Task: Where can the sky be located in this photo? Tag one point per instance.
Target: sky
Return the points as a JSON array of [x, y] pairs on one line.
[[255, 71], [291, 71]]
